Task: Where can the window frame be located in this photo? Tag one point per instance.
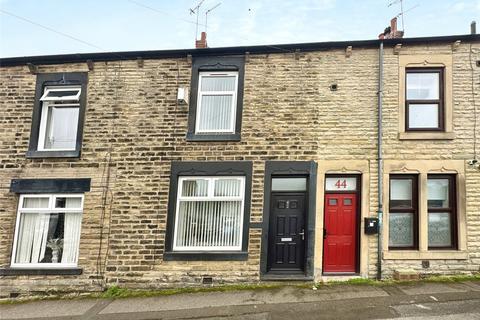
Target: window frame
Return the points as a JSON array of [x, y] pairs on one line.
[[452, 210], [216, 64], [51, 209], [46, 104], [37, 135], [440, 101], [414, 209], [202, 170], [210, 197], [234, 94]]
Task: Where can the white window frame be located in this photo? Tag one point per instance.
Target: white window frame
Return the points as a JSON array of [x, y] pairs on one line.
[[48, 102], [201, 93], [210, 197], [51, 209]]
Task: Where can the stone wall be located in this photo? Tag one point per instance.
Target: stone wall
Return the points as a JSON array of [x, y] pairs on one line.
[[134, 128]]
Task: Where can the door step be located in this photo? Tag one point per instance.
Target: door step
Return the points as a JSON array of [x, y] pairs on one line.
[[339, 278]]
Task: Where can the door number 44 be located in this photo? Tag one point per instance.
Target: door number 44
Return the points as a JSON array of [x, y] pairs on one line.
[[341, 184]]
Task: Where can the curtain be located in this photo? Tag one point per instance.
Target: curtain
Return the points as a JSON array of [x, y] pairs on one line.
[[25, 237], [71, 237], [61, 128]]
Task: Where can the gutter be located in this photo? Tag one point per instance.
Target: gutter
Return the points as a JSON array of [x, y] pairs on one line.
[[380, 161], [223, 51]]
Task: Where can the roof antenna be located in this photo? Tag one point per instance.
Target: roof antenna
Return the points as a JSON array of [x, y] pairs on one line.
[[402, 13], [208, 11], [196, 10]]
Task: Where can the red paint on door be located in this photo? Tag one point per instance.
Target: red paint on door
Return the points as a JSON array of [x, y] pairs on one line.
[[340, 234]]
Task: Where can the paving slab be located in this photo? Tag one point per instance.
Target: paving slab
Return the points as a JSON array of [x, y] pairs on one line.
[[45, 309], [438, 308], [432, 288], [219, 299]]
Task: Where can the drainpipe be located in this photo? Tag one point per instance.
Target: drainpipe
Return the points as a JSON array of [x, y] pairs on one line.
[[380, 162]]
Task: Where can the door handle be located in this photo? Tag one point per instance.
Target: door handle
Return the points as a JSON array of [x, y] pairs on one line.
[[302, 234], [324, 233]]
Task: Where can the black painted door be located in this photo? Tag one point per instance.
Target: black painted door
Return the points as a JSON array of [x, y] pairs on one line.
[[287, 232]]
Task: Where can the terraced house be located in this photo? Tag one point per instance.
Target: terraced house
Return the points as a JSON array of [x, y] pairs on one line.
[[240, 164]]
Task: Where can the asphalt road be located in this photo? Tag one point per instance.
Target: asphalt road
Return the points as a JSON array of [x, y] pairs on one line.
[[419, 301]]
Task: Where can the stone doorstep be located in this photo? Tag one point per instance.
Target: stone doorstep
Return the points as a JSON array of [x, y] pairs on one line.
[[406, 275]]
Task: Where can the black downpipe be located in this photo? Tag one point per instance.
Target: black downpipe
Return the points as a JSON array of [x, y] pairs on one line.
[[380, 163]]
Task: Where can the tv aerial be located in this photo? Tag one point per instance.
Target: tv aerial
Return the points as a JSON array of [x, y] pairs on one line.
[[196, 10], [208, 11], [402, 12]]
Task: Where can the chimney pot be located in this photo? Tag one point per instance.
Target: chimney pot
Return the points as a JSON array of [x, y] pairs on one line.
[[473, 27], [393, 26], [202, 43]]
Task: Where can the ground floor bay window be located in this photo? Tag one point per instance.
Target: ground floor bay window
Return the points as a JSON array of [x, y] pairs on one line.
[[47, 230]]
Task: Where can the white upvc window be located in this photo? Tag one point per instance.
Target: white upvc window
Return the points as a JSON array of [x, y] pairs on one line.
[[59, 118], [47, 233], [209, 214], [217, 102]]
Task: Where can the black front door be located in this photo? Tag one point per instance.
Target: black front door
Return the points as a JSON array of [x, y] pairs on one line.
[[286, 243]]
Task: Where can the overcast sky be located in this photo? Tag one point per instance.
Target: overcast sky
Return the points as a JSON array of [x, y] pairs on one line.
[[125, 25]]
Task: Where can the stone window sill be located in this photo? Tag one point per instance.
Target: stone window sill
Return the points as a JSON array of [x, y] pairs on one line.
[[425, 255], [40, 271], [426, 136]]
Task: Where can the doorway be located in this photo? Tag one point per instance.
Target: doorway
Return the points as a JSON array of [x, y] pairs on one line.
[[341, 233]]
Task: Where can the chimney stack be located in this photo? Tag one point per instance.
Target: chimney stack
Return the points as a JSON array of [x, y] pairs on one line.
[[202, 43], [391, 32], [473, 27]]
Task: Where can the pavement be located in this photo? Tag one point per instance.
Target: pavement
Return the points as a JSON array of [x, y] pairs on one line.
[[453, 300]]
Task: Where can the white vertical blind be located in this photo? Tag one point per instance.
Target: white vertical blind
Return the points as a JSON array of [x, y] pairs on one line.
[[217, 98], [211, 221]]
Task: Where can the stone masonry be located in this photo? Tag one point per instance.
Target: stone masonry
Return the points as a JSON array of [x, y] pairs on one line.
[[134, 129]]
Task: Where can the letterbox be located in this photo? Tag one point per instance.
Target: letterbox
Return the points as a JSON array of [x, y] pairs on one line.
[[371, 225]]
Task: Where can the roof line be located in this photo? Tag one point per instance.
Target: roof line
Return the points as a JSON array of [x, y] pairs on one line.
[[259, 49]]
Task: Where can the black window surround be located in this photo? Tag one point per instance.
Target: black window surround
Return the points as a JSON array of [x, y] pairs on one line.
[[57, 79], [201, 64], [290, 169], [50, 185], [439, 101], [216, 168]]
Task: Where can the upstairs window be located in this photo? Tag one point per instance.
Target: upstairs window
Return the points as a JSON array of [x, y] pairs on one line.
[[59, 119], [424, 99], [58, 115], [217, 101]]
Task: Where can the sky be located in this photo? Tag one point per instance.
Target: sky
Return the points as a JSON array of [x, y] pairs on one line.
[[129, 25]]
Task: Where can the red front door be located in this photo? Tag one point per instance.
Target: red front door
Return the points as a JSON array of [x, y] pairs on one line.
[[340, 234]]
